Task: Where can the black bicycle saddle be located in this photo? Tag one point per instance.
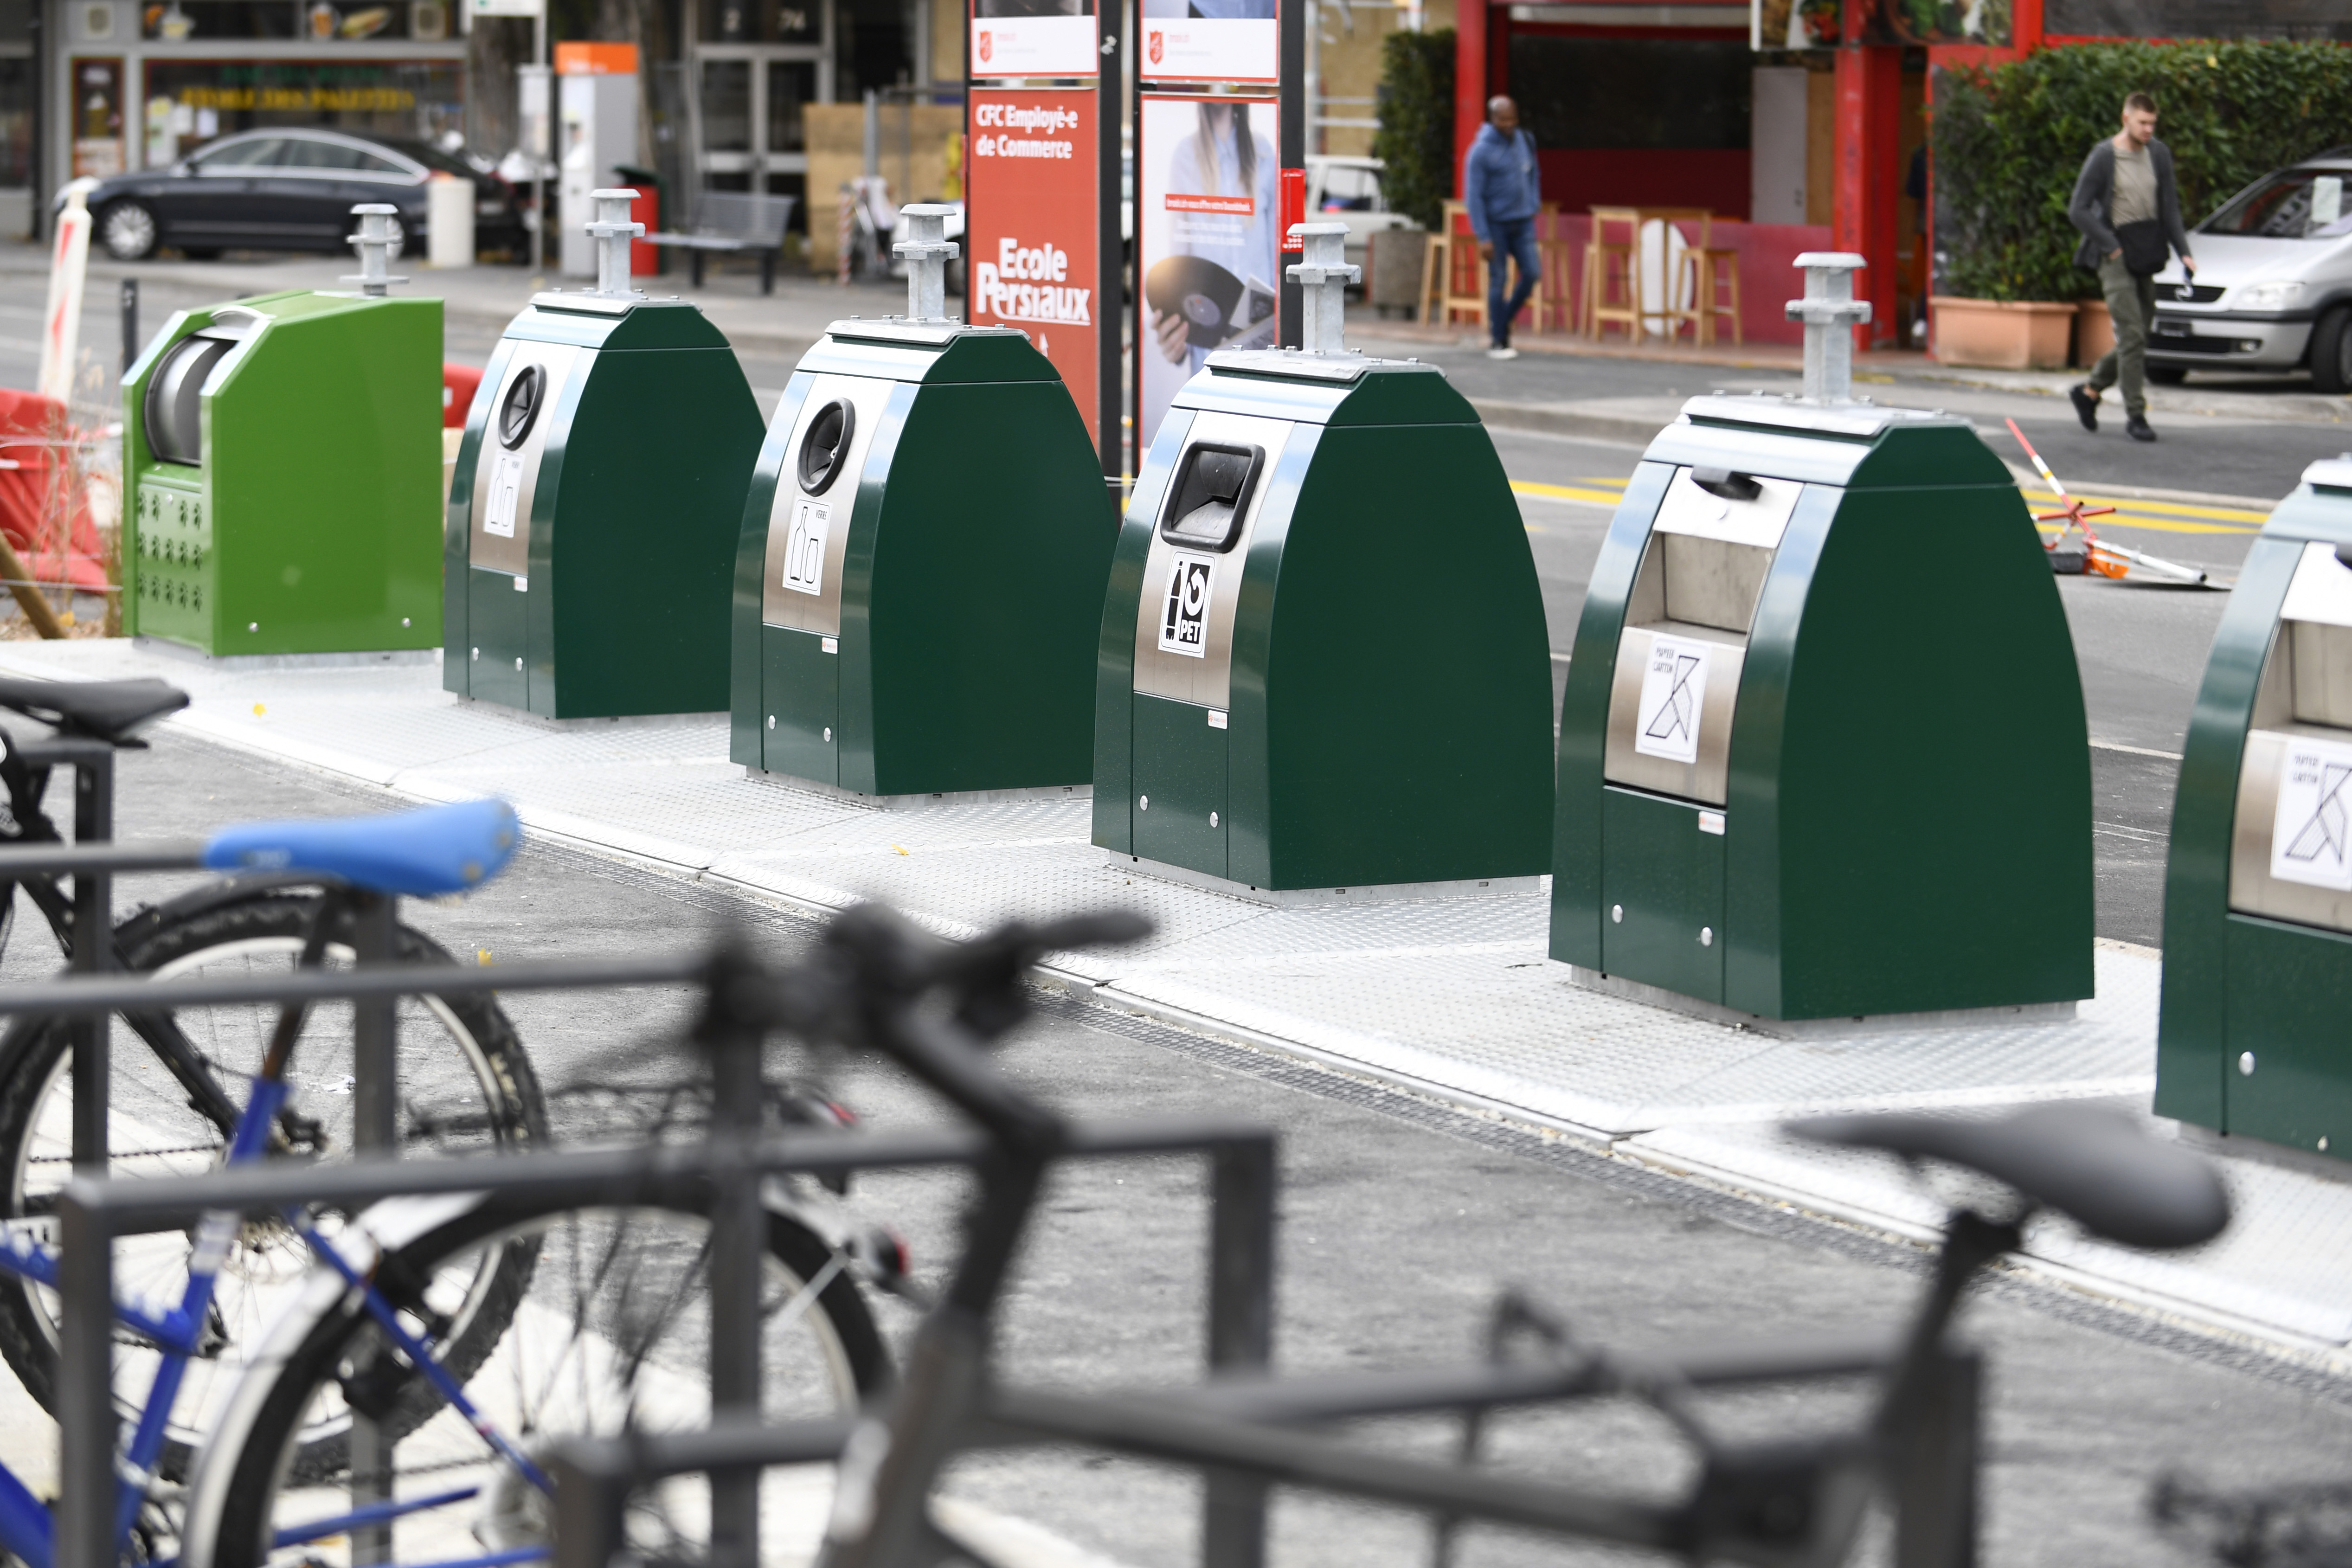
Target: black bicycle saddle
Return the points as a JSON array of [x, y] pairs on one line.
[[105, 710], [2094, 1164]]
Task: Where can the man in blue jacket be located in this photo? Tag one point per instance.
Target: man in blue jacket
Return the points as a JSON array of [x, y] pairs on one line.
[[1503, 188]]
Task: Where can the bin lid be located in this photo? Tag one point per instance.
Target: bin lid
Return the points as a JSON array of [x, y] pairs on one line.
[[2330, 473], [1846, 421]]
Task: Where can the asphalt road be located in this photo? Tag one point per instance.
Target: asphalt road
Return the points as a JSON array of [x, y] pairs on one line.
[[1399, 1221]]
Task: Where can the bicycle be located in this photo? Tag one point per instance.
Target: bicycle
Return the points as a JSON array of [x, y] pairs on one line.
[[566, 1313], [173, 1105], [1792, 1502]]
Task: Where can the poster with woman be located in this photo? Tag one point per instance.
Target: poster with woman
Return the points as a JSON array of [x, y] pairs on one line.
[[1208, 219]]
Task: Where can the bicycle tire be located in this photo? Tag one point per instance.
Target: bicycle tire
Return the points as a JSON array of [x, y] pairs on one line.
[[246, 1486], [484, 1055]]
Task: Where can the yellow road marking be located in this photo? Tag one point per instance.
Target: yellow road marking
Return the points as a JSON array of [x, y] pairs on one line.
[[2161, 517], [1565, 492]]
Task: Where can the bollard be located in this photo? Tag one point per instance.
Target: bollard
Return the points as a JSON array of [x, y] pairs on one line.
[[926, 251], [1323, 278], [1830, 313], [378, 224], [612, 232]]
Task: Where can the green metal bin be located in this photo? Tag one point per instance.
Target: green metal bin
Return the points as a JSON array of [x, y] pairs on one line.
[[1823, 750], [922, 560], [1323, 658], [2253, 1038], [281, 469], [590, 544]]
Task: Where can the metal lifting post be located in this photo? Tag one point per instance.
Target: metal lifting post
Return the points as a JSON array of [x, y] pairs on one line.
[[378, 227], [1322, 275], [1830, 313], [612, 232], [926, 250]]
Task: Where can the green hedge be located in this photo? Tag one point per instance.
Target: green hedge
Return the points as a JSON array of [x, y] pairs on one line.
[[1415, 139], [2010, 141]]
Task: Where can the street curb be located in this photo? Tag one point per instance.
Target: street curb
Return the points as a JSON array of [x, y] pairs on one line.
[[1547, 419]]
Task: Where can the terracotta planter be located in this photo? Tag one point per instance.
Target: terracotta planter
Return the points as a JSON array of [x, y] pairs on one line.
[[1994, 334], [2095, 332]]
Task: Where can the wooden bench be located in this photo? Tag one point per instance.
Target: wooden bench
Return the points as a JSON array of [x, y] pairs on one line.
[[735, 222]]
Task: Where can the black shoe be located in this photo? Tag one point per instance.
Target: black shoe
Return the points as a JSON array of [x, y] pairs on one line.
[[2136, 427], [2086, 406]]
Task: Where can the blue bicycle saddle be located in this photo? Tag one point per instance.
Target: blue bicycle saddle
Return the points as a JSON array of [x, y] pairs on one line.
[[421, 853]]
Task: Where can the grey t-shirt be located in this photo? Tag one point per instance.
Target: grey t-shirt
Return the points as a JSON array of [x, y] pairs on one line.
[[2135, 194]]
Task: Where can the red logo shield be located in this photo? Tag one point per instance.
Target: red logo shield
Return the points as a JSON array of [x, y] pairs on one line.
[[1158, 47], [987, 48]]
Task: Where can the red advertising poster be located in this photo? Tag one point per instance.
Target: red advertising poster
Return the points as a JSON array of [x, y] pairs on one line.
[[1031, 247]]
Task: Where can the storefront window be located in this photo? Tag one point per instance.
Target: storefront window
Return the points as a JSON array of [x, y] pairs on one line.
[[189, 102], [180, 21], [763, 21], [1625, 93], [2304, 19]]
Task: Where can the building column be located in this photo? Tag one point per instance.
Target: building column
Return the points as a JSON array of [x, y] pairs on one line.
[[1469, 81], [1869, 176]]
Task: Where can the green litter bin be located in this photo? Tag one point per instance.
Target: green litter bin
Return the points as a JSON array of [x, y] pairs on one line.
[[281, 467], [1822, 750], [1323, 660], [922, 561], [2258, 891], [593, 515]]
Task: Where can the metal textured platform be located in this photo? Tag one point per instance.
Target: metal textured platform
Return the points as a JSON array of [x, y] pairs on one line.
[[1449, 996]]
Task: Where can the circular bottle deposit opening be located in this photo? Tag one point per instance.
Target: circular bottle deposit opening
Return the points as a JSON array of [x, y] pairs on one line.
[[825, 446], [520, 408]]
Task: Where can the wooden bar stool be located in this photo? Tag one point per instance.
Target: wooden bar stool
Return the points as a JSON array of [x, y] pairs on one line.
[[1612, 273], [1554, 301], [1710, 268], [1458, 279]]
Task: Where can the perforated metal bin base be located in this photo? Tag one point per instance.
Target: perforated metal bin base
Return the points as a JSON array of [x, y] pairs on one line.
[[1299, 898], [1818, 1029]]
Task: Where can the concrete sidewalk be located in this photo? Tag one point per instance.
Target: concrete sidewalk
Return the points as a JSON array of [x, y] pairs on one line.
[[1450, 998]]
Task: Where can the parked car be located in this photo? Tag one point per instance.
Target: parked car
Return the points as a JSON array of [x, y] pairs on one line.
[[2273, 283], [287, 189]]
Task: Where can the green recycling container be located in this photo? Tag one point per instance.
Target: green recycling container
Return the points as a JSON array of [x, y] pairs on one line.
[[592, 518], [1823, 750], [921, 569], [281, 470], [2252, 1038], [1323, 659]]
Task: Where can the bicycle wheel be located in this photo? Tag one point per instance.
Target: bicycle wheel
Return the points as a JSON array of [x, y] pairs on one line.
[[613, 1330], [459, 1058]]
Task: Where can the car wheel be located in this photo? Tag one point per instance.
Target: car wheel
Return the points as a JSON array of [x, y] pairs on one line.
[[2167, 374], [2331, 350], [399, 239], [128, 230]]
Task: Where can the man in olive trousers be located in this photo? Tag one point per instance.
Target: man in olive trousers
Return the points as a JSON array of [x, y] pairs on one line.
[[2129, 209]]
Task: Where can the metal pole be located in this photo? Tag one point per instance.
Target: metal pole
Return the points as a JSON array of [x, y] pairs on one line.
[[93, 951], [86, 1434], [1110, 265], [375, 1090], [1935, 1482], [1241, 1334], [538, 158], [737, 1246], [129, 323], [1291, 111]]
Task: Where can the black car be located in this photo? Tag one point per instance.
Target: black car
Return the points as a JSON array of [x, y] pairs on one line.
[[291, 189]]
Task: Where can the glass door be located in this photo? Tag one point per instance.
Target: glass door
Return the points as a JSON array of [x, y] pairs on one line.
[[757, 64]]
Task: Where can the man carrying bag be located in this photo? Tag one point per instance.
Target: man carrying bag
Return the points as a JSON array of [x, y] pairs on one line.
[[2129, 209]]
